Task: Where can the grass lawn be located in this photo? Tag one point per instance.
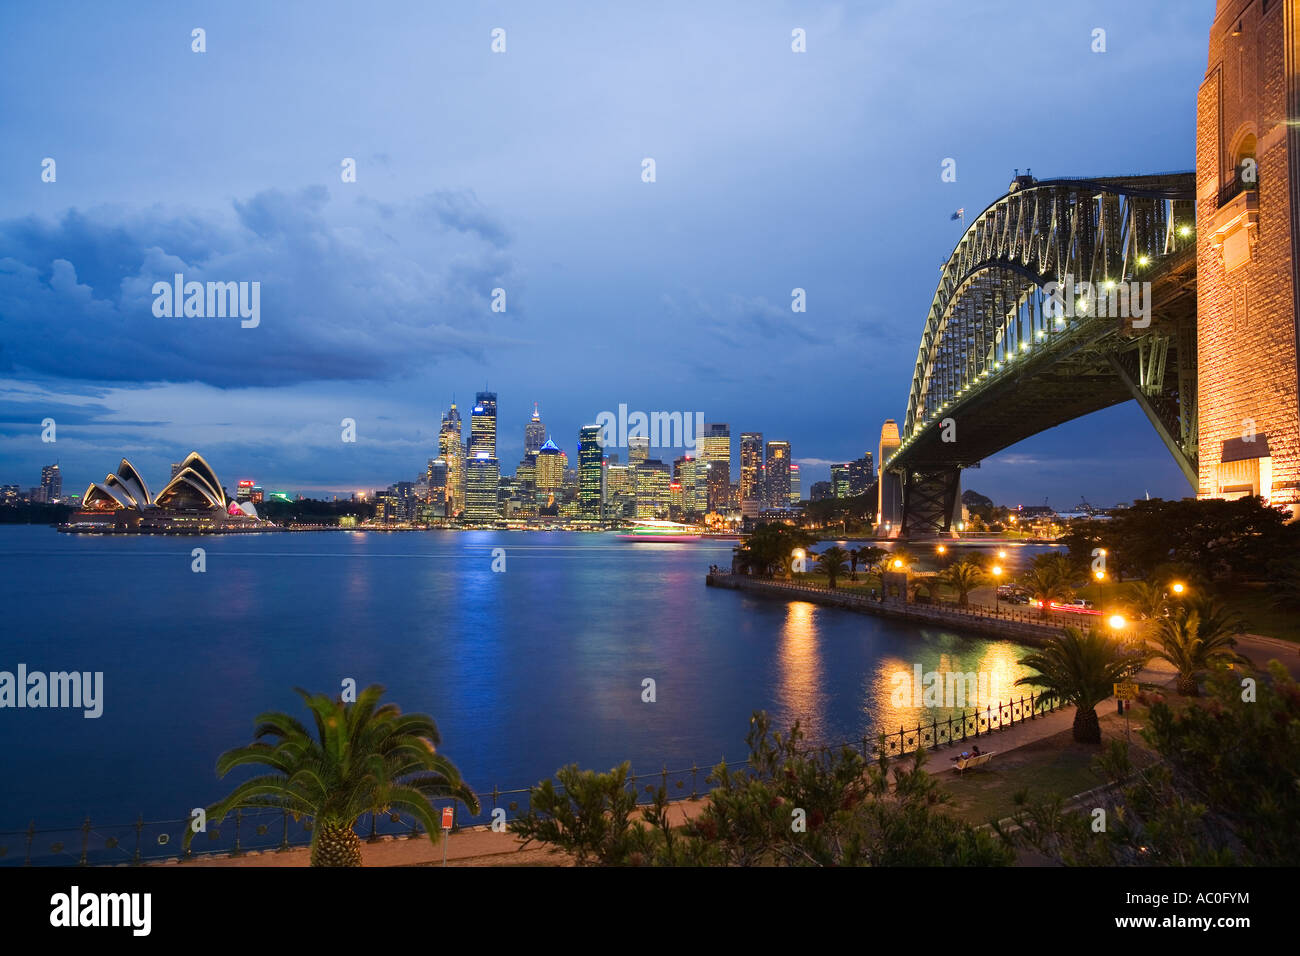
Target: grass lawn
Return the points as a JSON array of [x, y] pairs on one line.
[[865, 582], [1054, 765]]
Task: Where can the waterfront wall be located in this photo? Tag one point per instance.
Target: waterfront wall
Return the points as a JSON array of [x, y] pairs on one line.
[[1012, 625]]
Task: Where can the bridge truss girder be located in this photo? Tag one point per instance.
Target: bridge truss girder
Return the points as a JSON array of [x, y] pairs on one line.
[[998, 363]]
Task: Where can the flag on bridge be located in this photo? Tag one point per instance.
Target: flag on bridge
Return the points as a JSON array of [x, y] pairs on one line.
[[960, 214]]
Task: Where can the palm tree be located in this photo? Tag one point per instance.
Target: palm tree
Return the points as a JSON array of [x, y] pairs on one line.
[[833, 561], [1147, 601], [853, 564], [363, 759], [1195, 637], [873, 559], [1081, 667], [1046, 584], [1057, 563], [963, 577], [898, 554]]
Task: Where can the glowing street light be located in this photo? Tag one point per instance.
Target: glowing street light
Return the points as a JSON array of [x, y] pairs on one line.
[[997, 573], [1117, 622], [942, 549], [1179, 587], [897, 563], [1099, 575]]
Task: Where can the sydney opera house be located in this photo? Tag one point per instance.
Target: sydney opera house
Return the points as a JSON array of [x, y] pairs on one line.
[[193, 502]]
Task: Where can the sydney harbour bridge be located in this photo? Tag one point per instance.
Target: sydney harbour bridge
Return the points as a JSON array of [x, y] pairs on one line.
[[1063, 297], [1179, 292]]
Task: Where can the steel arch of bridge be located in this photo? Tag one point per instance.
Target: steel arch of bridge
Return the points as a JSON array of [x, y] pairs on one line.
[[989, 328]]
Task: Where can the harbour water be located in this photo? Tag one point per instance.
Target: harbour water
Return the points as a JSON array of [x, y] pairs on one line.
[[525, 669]]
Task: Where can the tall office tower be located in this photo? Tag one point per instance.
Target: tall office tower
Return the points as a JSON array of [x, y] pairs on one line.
[[777, 471], [439, 492], [796, 486], [889, 508], [840, 480], [482, 469], [693, 474], [482, 482], [534, 432], [653, 480], [51, 483], [620, 491], [751, 473], [1244, 436], [716, 450], [176, 468], [452, 451], [550, 467], [590, 474], [483, 425], [526, 473], [862, 473], [638, 448]]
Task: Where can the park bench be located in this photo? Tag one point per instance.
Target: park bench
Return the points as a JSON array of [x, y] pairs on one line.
[[970, 763]]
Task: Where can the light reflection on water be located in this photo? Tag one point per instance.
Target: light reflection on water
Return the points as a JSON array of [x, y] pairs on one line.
[[524, 671], [799, 687]]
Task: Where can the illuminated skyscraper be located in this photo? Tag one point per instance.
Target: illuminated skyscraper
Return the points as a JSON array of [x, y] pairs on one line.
[[439, 492], [590, 473], [693, 474], [534, 432], [653, 479], [550, 467], [796, 488], [840, 480], [620, 490], [862, 473], [483, 425], [452, 451], [638, 448], [715, 448], [51, 483], [777, 471], [482, 487], [751, 472]]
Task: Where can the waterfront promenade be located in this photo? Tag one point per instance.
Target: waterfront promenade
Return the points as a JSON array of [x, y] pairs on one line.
[[1026, 627]]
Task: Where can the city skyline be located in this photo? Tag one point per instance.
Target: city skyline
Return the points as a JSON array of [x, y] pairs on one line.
[[379, 292], [804, 480]]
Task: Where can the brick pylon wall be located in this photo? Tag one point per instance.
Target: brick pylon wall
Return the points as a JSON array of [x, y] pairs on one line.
[[1246, 318]]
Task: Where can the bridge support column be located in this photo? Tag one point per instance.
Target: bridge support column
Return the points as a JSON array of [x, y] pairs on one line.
[[929, 500], [1164, 424]]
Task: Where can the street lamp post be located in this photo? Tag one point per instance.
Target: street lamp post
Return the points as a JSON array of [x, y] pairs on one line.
[[997, 574], [1117, 624]]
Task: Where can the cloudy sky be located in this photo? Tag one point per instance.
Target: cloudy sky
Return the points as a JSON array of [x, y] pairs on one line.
[[522, 170]]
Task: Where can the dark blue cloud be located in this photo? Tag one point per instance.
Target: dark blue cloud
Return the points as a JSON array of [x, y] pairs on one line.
[[338, 299]]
